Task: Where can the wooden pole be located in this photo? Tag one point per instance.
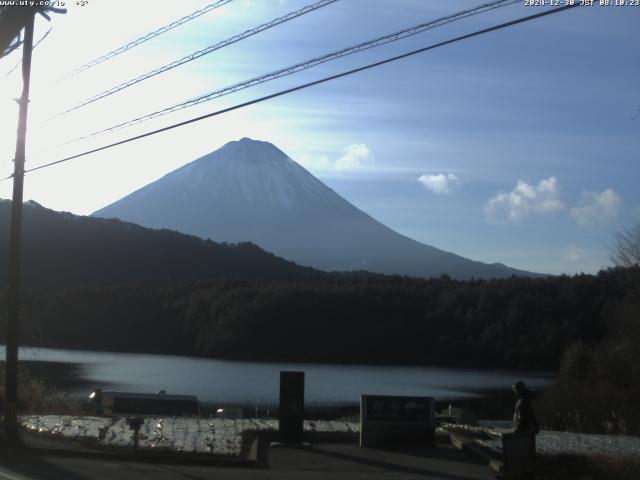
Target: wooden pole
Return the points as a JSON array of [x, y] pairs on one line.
[[13, 295]]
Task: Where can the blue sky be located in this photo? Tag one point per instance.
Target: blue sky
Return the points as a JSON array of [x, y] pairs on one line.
[[518, 146]]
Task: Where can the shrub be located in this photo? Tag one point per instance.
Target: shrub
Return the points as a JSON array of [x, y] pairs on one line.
[[36, 397], [598, 388]]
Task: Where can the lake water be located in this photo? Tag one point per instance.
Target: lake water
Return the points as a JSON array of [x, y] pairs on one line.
[[228, 382]]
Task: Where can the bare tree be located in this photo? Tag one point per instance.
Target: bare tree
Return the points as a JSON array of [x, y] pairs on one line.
[[625, 249]]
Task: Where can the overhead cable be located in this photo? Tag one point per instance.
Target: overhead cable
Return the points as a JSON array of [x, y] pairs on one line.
[[13, 69], [392, 37], [303, 86], [145, 38], [200, 53]]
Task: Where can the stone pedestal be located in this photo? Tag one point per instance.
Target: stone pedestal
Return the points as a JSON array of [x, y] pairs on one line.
[[518, 450]]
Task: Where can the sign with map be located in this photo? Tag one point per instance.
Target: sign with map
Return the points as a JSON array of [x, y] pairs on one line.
[[386, 419]]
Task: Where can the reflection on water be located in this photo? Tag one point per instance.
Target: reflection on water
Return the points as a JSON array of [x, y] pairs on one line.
[[256, 383]]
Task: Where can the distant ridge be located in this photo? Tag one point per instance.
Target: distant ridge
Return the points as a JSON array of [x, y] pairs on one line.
[[65, 250], [250, 190]]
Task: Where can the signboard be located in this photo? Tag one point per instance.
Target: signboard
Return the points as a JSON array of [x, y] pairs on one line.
[[396, 419], [402, 409], [291, 412]]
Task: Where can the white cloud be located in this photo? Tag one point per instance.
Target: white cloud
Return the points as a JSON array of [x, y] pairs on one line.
[[353, 157], [597, 208], [441, 183], [573, 254], [525, 199], [319, 162]]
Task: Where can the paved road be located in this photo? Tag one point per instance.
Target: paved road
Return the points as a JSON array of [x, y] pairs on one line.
[[324, 461]]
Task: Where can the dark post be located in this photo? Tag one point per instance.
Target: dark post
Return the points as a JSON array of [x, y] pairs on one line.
[[134, 424], [291, 413], [13, 294]]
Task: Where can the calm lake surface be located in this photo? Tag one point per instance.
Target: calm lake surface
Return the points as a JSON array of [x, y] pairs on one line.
[[227, 382]]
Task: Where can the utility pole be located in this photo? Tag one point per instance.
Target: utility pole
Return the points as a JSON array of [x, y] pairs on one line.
[[13, 295]]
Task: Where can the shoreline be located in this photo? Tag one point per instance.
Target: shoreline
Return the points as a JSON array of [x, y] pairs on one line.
[[537, 371], [70, 379]]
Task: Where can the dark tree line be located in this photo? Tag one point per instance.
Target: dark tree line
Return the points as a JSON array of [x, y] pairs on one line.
[[362, 318]]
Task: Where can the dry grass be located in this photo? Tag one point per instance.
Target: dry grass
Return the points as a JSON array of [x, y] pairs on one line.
[[35, 397]]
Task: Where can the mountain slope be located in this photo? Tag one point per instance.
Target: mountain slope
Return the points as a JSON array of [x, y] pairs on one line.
[[251, 191], [60, 249]]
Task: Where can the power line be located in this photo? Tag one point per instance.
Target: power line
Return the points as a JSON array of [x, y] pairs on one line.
[[145, 38], [303, 86], [34, 47], [201, 53], [392, 37]]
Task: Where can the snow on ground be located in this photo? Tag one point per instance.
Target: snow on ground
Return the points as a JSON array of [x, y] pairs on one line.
[[83, 428], [554, 443], [224, 436], [180, 434]]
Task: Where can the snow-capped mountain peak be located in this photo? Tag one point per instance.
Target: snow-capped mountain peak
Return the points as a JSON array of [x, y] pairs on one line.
[[250, 190]]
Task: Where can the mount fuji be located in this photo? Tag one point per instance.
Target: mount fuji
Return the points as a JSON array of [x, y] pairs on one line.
[[250, 190]]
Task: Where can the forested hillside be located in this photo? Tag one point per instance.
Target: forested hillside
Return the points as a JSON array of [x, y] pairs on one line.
[[516, 322]]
